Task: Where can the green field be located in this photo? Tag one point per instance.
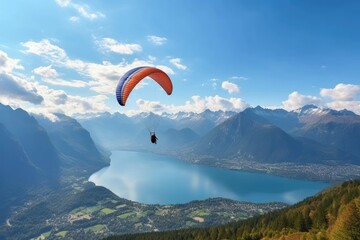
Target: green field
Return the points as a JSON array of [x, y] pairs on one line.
[[106, 211], [125, 215], [96, 228], [61, 234], [199, 213]]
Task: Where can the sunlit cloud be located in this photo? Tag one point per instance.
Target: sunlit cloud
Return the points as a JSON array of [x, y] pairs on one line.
[[152, 58], [296, 100], [46, 72], [63, 3], [45, 49], [82, 9], [102, 76], [197, 104], [58, 101], [230, 87], [111, 45], [348, 105], [177, 63], [343, 96], [157, 40], [8, 64], [166, 69], [50, 75], [341, 92]]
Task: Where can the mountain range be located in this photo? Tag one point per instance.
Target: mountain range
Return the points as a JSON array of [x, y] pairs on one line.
[[118, 130], [34, 151], [253, 135], [37, 153], [307, 135]]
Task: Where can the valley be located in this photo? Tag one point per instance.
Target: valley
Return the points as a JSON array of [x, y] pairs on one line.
[[80, 210], [63, 204], [179, 120]]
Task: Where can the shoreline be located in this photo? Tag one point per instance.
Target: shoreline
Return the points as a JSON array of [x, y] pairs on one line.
[[331, 174], [96, 180]]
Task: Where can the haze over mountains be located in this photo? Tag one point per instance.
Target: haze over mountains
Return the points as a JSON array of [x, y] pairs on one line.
[[36, 151], [253, 135], [307, 135], [118, 130]]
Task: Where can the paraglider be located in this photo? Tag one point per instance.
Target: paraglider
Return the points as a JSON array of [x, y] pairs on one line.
[[153, 138], [131, 78]]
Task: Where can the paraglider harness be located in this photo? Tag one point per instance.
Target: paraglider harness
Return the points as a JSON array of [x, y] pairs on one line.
[[153, 138]]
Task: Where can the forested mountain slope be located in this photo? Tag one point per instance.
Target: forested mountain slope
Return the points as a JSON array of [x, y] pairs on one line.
[[333, 214]]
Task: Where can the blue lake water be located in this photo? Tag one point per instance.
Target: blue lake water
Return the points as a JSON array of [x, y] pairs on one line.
[[152, 178]]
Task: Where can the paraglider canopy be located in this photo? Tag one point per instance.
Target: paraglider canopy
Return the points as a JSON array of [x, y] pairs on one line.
[[131, 78]]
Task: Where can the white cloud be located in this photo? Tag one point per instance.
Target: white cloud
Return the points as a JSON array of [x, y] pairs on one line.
[[341, 92], [349, 105], [102, 76], [150, 106], [216, 103], [74, 19], [111, 45], [166, 69], [45, 49], [297, 100], [196, 104], [14, 89], [85, 11], [65, 83], [177, 63], [343, 96], [157, 40], [8, 64], [50, 75], [230, 87], [151, 58], [46, 72], [19, 91], [63, 3], [82, 9], [58, 101], [106, 75]]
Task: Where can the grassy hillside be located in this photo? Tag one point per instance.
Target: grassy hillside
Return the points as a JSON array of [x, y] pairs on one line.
[[333, 214]]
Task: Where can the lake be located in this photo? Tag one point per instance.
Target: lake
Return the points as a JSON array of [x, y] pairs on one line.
[[158, 179]]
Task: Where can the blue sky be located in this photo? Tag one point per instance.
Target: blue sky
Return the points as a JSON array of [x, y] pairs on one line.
[[68, 55]]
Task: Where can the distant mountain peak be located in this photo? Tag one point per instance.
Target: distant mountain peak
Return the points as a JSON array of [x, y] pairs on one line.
[[311, 110], [309, 106], [258, 107]]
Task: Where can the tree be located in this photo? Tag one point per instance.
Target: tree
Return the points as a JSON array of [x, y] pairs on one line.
[[347, 226]]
